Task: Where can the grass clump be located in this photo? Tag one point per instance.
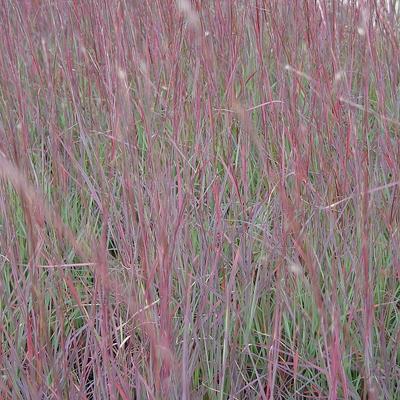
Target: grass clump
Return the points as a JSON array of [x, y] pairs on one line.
[[199, 200]]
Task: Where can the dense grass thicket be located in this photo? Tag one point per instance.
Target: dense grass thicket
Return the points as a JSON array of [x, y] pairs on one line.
[[199, 199]]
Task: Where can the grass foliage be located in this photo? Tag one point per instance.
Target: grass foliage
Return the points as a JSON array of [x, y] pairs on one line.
[[199, 199]]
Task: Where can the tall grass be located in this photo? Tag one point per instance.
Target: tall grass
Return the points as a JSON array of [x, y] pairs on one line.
[[199, 199]]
